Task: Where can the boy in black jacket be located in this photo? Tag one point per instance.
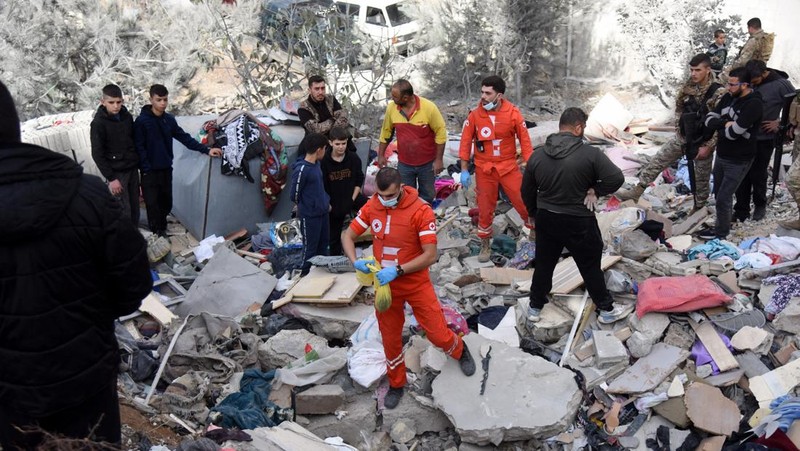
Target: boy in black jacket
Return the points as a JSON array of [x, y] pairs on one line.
[[313, 203], [153, 132], [736, 120], [343, 176], [113, 151]]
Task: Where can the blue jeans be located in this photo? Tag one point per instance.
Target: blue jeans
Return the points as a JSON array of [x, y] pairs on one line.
[[728, 174], [419, 177]]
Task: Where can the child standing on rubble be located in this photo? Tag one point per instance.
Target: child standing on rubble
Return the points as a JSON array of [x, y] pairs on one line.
[[313, 203], [344, 175]]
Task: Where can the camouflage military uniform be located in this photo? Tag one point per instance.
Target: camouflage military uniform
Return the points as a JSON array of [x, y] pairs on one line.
[[758, 47], [794, 119], [793, 176], [672, 151]]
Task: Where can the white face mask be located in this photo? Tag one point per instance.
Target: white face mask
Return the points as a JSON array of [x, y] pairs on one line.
[[493, 104]]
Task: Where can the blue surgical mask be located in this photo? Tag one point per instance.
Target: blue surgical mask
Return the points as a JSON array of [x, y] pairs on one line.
[[391, 203], [490, 106]]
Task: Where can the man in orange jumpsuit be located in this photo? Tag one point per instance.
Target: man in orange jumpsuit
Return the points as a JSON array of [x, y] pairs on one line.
[[491, 129], [404, 243]]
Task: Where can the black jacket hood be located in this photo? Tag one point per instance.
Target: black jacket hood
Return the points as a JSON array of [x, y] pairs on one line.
[[562, 144], [36, 186]]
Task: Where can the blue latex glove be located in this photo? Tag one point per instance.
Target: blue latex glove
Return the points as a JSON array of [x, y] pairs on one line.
[[361, 265], [466, 179], [386, 275]]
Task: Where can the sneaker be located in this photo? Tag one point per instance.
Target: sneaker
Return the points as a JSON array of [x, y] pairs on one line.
[[466, 362], [709, 233], [533, 314], [759, 212], [392, 398], [619, 312]]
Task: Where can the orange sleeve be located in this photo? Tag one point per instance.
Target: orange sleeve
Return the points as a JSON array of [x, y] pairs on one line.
[[523, 136], [361, 221], [425, 224], [467, 138]]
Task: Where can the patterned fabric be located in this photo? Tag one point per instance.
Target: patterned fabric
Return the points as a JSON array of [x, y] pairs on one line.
[[788, 287]]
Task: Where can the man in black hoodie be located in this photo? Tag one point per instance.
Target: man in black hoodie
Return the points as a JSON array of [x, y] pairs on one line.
[[113, 151], [736, 119], [774, 88], [153, 132], [70, 264], [554, 188]]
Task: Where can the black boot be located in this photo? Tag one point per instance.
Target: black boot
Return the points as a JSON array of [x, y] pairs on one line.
[[466, 362], [392, 398]]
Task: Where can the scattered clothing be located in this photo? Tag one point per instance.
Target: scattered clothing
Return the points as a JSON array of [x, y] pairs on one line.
[[788, 287], [714, 250]]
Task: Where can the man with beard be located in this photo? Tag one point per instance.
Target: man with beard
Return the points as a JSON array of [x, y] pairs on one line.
[[320, 112]]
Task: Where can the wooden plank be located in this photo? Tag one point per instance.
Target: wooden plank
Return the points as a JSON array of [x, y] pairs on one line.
[[504, 276], [567, 278], [343, 291], [152, 305], [255, 255], [715, 346], [313, 286]]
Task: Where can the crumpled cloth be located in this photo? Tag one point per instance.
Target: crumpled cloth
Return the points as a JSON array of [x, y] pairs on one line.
[[785, 410], [246, 409], [788, 287], [786, 246], [701, 356], [524, 256], [713, 250], [753, 260]]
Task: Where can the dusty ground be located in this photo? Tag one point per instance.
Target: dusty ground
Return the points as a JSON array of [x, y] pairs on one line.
[[135, 425]]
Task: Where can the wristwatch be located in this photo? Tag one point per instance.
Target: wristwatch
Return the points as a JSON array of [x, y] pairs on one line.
[[400, 270]]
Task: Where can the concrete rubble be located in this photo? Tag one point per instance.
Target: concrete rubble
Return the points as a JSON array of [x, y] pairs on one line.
[[673, 372]]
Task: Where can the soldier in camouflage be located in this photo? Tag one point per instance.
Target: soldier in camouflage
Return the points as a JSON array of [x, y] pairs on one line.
[[758, 46], [701, 86], [793, 176]]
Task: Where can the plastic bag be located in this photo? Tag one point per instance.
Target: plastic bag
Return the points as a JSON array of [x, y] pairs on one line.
[[383, 294], [367, 331], [637, 245], [678, 294], [366, 363], [318, 371], [619, 282]]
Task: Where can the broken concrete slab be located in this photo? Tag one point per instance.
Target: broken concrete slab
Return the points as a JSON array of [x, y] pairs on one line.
[[674, 410], [403, 431], [554, 322], [752, 339], [788, 320], [227, 285], [777, 382], [639, 344], [287, 346], [432, 359], [751, 364], [360, 415], [526, 396], [608, 349], [593, 375], [710, 410], [421, 410], [414, 352], [680, 336], [319, 399], [474, 265], [651, 324], [285, 436], [711, 444], [330, 322], [649, 371]]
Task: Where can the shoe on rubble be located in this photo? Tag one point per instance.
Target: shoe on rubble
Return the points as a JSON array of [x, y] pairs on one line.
[[759, 212], [792, 225], [466, 362], [630, 194], [534, 314], [709, 233], [486, 250], [619, 312], [392, 398]]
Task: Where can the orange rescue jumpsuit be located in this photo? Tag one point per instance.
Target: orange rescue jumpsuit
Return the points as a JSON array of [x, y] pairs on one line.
[[496, 165], [398, 235]]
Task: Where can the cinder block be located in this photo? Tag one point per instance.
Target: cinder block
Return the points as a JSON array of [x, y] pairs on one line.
[[608, 348], [319, 400]]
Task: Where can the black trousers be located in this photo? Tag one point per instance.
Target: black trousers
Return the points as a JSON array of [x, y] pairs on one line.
[[337, 225], [316, 234], [581, 236], [98, 415], [755, 181], [157, 193], [130, 194]]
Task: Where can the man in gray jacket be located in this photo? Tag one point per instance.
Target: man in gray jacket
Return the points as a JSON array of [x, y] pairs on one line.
[[554, 188]]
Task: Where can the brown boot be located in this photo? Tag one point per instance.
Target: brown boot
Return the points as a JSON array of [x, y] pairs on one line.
[[486, 250], [792, 225], [630, 194]]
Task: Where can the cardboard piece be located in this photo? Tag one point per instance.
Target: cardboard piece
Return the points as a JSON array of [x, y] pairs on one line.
[[710, 410], [649, 371], [711, 444], [715, 346], [504, 276]]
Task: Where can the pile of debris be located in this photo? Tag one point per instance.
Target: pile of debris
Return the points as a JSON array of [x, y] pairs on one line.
[[235, 350]]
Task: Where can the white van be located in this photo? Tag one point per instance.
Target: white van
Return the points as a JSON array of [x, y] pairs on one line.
[[386, 21]]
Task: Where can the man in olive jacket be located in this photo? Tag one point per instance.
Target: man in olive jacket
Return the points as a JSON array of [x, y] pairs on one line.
[[70, 264]]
